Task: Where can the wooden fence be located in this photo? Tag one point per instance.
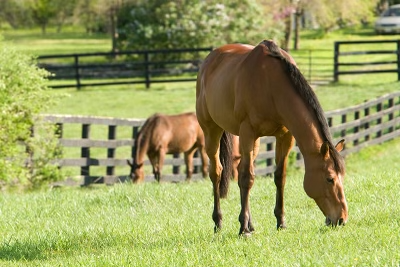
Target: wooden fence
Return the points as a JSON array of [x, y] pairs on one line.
[[156, 66], [372, 122], [367, 60], [125, 67]]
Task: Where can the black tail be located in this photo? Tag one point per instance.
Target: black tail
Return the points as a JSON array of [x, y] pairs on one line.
[[225, 156]]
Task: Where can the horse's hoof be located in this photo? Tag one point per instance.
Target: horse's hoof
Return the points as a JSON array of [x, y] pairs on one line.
[[251, 229], [281, 226], [245, 234], [217, 229]]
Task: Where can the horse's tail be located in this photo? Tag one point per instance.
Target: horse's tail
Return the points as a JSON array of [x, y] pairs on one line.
[[225, 156]]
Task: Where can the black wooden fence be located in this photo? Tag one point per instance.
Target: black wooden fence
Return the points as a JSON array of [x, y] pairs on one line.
[[372, 122], [155, 66], [125, 67], [366, 60]]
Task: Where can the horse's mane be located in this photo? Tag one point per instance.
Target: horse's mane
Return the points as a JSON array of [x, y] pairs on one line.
[[304, 89]]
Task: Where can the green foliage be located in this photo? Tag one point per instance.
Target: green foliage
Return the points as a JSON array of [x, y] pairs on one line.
[[190, 23], [23, 95]]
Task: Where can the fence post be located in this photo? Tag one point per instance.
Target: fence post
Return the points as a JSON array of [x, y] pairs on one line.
[[270, 161], [344, 120], [398, 60], [390, 115], [147, 69], [176, 168], [336, 62], [111, 151], [77, 74], [356, 128], [135, 132], [196, 168], [379, 121], [85, 153], [366, 125]]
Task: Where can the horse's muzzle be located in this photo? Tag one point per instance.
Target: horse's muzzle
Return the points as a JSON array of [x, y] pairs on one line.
[[340, 222]]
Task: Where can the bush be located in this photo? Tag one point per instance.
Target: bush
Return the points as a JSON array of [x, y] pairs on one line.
[[24, 157]]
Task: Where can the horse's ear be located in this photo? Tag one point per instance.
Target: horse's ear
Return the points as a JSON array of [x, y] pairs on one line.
[[325, 150], [340, 145]]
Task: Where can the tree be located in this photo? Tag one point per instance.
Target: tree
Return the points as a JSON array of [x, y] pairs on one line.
[[327, 14], [42, 12], [191, 23], [15, 13], [64, 10]]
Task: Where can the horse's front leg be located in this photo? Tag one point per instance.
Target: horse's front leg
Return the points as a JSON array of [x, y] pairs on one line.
[[284, 144]]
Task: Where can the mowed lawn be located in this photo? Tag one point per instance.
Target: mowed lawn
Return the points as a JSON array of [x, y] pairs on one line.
[[169, 224]]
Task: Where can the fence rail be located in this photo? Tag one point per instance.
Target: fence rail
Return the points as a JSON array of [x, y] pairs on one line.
[[153, 66], [125, 67], [377, 60], [372, 122]]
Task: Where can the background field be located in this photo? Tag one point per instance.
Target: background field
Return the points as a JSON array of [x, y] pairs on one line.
[[170, 224]]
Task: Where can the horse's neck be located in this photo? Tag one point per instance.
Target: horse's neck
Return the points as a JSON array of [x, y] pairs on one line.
[[308, 134]]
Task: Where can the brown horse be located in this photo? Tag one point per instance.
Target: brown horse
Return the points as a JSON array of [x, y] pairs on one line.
[[258, 91], [163, 134]]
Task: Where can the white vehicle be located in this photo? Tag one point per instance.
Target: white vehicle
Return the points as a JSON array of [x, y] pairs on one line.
[[389, 20]]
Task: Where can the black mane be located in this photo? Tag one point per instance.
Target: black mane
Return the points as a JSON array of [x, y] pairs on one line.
[[307, 94]]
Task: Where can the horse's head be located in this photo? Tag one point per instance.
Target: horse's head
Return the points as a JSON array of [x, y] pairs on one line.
[[136, 173], [323, 182]]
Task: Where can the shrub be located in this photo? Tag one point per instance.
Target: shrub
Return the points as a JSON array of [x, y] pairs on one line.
[[24, 158]]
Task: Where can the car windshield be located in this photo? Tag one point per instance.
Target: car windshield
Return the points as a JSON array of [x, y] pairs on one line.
[[391, 12]]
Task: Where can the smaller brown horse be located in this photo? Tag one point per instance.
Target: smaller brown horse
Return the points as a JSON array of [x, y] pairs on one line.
[[163, 134]]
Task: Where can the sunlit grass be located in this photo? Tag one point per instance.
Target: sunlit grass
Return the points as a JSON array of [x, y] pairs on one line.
[[170, 224]]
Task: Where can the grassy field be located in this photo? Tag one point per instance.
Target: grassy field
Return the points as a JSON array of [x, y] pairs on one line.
[[170, 224]]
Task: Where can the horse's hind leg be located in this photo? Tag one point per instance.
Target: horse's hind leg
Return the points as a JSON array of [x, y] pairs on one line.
[[212, 140], [204, 161], [284, 144], [188, 156], [157, 160]]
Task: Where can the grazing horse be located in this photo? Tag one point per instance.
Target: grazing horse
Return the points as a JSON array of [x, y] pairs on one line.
[[258, 91], [163, 134]]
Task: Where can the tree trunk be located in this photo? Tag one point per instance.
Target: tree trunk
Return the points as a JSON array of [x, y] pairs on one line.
[[298, 14], [43, 26], [288, 32], [113, 31]]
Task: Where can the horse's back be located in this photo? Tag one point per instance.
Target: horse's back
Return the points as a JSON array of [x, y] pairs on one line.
[[232, 80], [174, 133]]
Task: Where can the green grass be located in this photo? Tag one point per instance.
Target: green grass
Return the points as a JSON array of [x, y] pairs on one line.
[[70, 40], [170, 224]]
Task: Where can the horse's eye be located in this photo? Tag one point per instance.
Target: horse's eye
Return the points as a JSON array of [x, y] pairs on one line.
[[330, 180]]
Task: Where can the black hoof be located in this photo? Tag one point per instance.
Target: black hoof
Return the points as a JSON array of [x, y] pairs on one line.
[[245, 233], [281, 226]]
